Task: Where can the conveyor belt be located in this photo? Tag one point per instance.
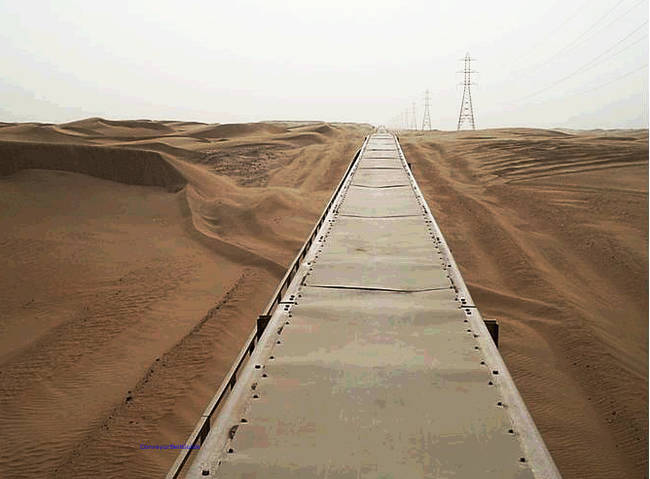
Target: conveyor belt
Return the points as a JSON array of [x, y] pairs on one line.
[[377, 363]]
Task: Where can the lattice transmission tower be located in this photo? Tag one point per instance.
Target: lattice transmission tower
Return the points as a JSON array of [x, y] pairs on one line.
[[414, 120], [466, 108], [426, 119]]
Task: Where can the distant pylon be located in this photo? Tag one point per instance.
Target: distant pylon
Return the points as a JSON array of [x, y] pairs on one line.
[[466, 108], [426, 119], [414, 118]]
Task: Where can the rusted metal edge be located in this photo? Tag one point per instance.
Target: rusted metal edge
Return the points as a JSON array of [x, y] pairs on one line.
[[202, 428], [537, 455]]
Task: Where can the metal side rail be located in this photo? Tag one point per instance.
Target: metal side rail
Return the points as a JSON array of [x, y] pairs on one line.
[[378, 363]]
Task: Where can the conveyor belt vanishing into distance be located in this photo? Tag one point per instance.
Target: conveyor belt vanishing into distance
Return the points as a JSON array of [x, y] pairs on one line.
[[375, 363]]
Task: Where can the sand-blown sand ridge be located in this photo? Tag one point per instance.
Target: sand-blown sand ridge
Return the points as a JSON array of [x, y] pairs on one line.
[[550, 231], [122, 304]]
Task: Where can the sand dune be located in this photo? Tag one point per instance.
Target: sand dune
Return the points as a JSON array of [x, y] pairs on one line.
[[42, 133], [121, 128], [123, 302], [137, 255], [237, 130], [550, 231], [134, 167]]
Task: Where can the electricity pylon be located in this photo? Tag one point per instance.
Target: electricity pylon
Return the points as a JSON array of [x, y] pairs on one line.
[[426, 119], [466, 108], [414, 121]]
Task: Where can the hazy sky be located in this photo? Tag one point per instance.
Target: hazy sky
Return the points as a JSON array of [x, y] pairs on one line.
[[577, 64]]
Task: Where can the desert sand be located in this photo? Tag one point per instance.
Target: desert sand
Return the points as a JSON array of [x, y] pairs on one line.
[[550, 231], [137, 255]]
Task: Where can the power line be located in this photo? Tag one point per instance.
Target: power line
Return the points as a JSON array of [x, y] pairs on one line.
[[619, 51], [571, 17], [625, 75], [552, 32], [590, 64], [593, 25], [579, 38], [613, 21]]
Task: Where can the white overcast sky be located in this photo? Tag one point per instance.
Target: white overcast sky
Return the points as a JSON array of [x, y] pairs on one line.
[[576, 64]]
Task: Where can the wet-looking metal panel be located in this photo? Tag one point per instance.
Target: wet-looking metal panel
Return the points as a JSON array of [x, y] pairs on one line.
[[377, 363]]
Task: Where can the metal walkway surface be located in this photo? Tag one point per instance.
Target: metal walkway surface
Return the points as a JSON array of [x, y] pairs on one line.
[[376, 364]]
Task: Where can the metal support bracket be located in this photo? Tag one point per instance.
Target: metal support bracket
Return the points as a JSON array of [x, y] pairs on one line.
[[493, 328], [262, 322]]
